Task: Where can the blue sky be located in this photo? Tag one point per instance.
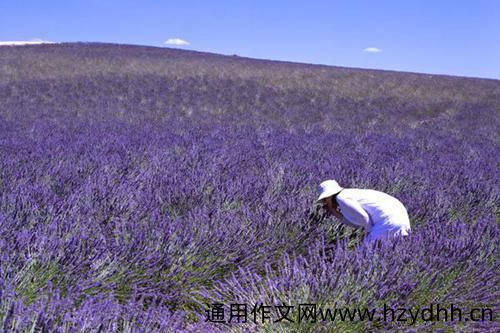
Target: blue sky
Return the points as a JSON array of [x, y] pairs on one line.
[[440, 37]]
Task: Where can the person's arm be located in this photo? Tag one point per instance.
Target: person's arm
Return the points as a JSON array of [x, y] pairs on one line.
[[353, 213], [347, 222], [336, 212]]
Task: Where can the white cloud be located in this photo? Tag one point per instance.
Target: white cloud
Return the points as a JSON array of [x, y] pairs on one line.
[[25, 42], [372, 50], [176, 41]]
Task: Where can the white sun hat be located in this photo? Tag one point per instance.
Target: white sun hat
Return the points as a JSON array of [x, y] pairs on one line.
[[328, 188]]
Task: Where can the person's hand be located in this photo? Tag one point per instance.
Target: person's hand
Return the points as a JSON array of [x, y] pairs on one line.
[[337, 213]]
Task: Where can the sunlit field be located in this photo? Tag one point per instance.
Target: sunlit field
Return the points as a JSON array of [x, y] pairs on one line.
[[139, 186]]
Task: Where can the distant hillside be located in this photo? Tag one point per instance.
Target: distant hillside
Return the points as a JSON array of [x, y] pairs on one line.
[[135, 83]]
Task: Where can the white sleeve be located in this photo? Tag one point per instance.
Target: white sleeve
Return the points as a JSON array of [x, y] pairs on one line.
[[349, 223], [354, 213]]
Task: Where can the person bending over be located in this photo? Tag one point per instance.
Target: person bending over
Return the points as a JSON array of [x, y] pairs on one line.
[[378, 213]]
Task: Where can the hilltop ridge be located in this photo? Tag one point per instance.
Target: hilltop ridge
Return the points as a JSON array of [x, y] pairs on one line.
[[99, 80]]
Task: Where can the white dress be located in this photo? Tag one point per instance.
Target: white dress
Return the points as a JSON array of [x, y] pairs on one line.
[[379, 213]]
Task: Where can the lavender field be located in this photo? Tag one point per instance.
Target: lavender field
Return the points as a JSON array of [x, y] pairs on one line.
[[141, 185]]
